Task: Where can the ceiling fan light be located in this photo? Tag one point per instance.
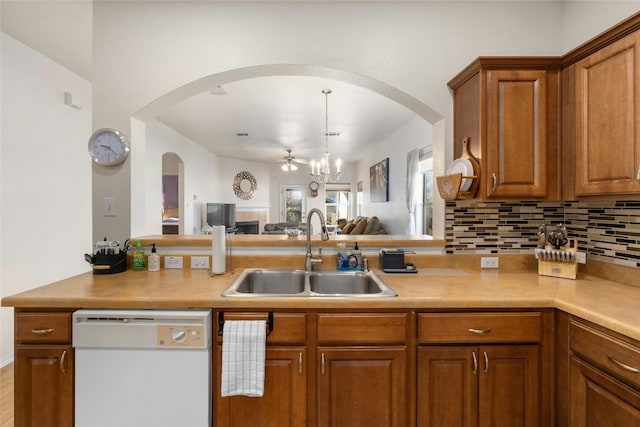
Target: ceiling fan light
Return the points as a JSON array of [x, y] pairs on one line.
[[293, 167], [284, 167]]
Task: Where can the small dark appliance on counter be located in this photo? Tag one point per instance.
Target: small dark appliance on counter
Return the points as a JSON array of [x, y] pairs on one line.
[[392, 261], [108, 257]]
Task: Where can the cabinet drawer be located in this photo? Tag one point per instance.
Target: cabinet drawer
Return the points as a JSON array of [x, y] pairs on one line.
[[362, 328], [479, 327], [610, 353], [43, 328], [288, 328]]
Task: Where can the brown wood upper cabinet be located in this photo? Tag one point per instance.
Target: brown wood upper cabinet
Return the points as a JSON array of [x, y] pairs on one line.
[[509, 109], [607, 119]]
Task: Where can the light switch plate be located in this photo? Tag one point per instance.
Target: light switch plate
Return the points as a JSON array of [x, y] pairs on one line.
[[109, 207], [199, 262]]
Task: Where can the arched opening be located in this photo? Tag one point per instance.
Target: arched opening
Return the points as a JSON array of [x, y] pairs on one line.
[[172, 194], [153, 109]]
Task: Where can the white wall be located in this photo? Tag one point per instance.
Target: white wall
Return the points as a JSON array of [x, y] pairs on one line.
[[45, 176], [202, 181], [394, 214], [583, 20]]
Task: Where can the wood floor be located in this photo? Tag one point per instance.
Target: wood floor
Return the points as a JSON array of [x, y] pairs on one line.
[[6, 396]]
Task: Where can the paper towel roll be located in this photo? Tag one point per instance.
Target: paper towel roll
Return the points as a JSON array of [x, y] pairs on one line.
[[218, 235]]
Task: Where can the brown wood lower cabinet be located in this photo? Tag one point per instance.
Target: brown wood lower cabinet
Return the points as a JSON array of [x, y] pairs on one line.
[[604, 376], [599, 400], [478, 386], [362, 387], [44, 369], [285, 393], [44, 386], [356, 374], [485, 369]]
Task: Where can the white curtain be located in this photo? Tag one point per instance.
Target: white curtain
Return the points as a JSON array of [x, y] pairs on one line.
[[413, 187]]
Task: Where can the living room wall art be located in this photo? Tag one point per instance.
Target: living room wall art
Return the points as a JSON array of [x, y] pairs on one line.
[[379, 181]]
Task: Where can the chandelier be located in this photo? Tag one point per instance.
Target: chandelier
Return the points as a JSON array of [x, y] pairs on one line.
[[321, 170]]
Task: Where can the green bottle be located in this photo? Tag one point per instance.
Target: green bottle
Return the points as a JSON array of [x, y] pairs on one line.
[[139, 261]]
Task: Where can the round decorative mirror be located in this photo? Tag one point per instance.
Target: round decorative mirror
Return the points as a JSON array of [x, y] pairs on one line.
[[244, 185]]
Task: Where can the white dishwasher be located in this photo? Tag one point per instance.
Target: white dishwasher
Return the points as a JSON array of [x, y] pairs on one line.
[[142, 368]]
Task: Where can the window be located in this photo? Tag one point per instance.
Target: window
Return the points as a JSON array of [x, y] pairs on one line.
[[337, 202], [293, 203], [359, 198], [426, 206]]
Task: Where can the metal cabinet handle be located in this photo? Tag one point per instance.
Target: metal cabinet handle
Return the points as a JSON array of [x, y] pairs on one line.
[[486, 362], [42, 331], [494, 178], [63, 360], [638, 174], [475, 363], [623, 365], [322, 363], [300, 363], [480, 331]]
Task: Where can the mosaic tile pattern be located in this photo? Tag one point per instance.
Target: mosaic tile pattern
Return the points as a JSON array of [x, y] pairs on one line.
[[606, 231]]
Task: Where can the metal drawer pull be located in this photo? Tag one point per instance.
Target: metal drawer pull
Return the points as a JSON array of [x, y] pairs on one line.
[[480, 331], [42, 331], [322, 364], [624, 365], [475, 363], [638, 174], [486, 362], [495, 181], [63, 360], [300, 363]]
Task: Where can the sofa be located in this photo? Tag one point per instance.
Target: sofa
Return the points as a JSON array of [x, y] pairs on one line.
[[280, 227], [361, 225]]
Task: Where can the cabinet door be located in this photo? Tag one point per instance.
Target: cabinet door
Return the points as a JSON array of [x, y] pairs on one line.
[[447, 386], [285, 393], [607, 119], [362, 387], [44, 386], [517, 135], [598, 400], [509, 386]]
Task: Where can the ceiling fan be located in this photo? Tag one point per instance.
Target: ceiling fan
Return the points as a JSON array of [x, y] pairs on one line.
[[290, 161]]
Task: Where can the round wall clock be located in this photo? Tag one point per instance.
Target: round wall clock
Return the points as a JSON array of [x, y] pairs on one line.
[[244, 185], [108, 147], [313, 188]]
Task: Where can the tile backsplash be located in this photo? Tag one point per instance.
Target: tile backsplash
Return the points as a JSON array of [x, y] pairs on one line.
[[607, 231]]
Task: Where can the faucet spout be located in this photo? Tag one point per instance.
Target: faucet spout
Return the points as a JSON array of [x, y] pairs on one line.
[[309, 260]]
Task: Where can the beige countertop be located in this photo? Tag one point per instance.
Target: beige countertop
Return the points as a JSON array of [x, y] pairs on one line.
[[610, 304]]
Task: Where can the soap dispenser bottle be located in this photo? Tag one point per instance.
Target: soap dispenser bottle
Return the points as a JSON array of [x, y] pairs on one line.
[[154, 259], [139, 261], [357, 254]]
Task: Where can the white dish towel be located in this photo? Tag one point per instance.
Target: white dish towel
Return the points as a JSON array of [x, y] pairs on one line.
[[243, 356]]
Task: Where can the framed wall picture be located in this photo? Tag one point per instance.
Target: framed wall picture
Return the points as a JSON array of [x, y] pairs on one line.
[[379, 181]]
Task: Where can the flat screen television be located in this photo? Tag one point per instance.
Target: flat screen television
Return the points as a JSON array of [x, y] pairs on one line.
[[221, 214]]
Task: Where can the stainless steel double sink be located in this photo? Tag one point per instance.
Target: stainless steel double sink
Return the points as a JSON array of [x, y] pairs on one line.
[[299, 283]]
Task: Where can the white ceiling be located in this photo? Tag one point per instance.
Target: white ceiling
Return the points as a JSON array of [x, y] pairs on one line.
[[278, 113]]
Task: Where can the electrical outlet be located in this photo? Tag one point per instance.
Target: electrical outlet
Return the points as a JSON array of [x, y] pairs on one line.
[[489, 262], [199, 262], [172, 262]]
